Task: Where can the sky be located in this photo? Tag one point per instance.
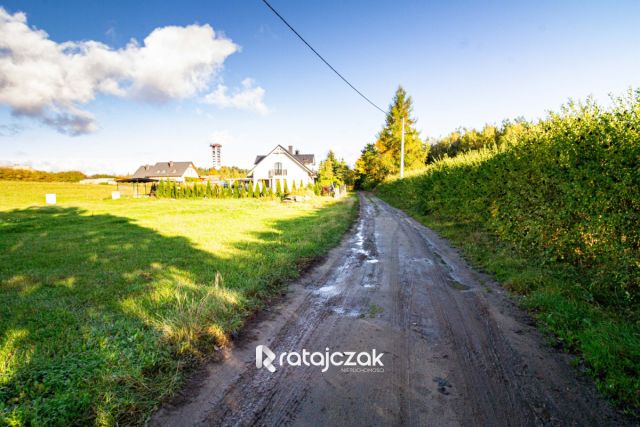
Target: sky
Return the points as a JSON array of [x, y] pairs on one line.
[[103, 87]]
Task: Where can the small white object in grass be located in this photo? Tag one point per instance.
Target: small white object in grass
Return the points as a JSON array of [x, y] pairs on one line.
[[50, 199], [115, 195]]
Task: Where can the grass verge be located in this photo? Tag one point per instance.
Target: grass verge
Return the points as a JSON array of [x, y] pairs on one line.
[[606, 342]]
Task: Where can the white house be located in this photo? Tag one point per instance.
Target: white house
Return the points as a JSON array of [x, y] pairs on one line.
[[172, 171], [284, 165]]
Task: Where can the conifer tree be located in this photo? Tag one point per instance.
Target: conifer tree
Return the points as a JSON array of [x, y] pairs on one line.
[[294, 190], [278, 189], [286, 188], [389, 138]]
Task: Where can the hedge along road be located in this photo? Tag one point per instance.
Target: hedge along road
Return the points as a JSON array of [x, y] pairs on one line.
[[457, 350]]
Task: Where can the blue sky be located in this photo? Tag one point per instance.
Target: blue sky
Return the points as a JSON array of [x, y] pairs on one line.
[[464, 64]]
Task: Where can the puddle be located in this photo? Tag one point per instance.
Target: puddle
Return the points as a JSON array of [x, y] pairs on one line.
[[344, 312], [327, 291]]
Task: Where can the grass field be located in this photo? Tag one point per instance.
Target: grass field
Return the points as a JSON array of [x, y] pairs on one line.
[[105, 302]]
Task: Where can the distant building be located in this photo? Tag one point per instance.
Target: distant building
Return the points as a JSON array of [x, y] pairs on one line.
[[284, 165], [172, 171], [217, 157]]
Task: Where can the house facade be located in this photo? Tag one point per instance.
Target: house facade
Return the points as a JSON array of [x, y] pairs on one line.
[[282, 164], [171, 171]]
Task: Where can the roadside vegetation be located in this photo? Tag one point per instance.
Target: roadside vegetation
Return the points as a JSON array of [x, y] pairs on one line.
[[105, 303], [553, 211]]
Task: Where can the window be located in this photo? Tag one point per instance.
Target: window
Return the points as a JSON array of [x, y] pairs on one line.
[[277, 168]]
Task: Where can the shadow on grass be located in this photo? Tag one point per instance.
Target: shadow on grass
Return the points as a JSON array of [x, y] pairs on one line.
[[99, 315]]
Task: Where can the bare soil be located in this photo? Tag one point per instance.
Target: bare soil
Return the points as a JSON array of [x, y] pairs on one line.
[[457, 350]]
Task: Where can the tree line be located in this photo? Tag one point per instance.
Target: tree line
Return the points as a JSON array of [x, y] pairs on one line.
[[16, 174]]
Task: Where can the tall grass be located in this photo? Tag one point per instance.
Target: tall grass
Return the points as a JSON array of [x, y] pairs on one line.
[[555, 213]]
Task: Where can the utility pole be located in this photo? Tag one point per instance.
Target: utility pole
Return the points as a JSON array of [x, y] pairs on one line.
[[402, 151]]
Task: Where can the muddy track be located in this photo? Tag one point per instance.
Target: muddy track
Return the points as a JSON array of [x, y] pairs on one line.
[[457, 351]]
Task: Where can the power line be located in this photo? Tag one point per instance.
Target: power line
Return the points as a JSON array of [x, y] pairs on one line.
[[320, 56]]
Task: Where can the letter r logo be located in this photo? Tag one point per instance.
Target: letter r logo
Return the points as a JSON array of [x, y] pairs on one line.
[[264, 357]]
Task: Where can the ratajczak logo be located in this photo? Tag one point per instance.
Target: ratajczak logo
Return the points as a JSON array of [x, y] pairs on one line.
[[348, 361]]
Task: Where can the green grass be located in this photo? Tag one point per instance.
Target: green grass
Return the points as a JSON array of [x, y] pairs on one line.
[[106, 302], [606, 339]]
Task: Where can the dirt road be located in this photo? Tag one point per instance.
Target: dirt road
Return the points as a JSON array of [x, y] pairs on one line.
[[457, 351]]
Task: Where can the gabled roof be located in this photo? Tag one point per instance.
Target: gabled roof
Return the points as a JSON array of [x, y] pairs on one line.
[[296, 158], [305, 159], [163, 169]]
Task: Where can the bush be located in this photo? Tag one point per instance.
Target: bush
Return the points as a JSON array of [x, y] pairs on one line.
[[562, 193]]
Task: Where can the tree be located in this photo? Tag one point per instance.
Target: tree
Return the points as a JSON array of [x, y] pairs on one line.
[[325, 171], [209, 191], [369, 169], [389, 139], [294, 190], [278, 189], [286, 188], [160, 189], [239, 190]]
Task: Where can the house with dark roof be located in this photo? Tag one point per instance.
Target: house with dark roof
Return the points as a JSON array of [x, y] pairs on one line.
[[171, 171], [282, 164]]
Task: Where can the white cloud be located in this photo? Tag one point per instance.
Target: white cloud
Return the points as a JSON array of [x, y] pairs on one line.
[[50, 81], [248, 97]]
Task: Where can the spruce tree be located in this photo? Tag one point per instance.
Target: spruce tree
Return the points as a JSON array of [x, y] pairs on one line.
[[389, 138], [278, 189], [294, 190], [286, 188]]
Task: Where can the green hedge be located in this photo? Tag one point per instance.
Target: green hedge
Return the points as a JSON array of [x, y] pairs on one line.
[[563, 193]]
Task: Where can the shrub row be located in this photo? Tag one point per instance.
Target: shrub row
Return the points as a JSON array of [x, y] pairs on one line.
[[171, 189], [564, 193], [565, 189]]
